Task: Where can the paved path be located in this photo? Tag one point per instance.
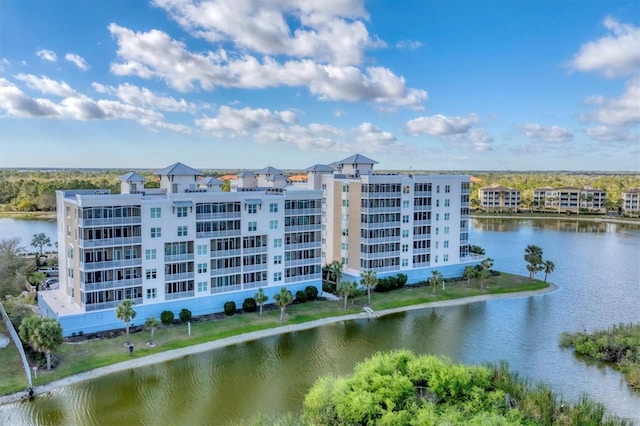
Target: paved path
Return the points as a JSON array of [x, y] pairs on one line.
[[247, 337]]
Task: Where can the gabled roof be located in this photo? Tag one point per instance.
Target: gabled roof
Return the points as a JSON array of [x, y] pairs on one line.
[[319, 168], [270, 171], [178, 169], [209, 181], [277, 177], [246, 174], [132, 177], [357, 159]]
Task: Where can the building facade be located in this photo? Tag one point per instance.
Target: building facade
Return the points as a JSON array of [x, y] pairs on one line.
[[569, 199], [631, 202], [190, 245], [497, 198]]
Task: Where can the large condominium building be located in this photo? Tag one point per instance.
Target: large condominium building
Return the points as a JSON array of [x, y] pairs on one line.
[[568, 199], [497, 198], [631, 202], [188, 244]]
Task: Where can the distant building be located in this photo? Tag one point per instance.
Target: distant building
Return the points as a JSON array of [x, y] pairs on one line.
[[631, 202], [497, 198], [570, 199]]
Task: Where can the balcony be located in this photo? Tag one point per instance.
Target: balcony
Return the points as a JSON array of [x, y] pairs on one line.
[[178, 257], [108, 305], [225, 253], [109, 242], [303, 262], [302, 278], [179, 295], [218, 234], [225, 215], [85, 223], [183, 276], [124, 263], [110, 285], [226, 288]]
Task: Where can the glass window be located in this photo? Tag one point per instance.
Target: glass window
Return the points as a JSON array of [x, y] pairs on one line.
[[277, 276], [277, 260], [405, 248], [253, 226], [202, 286], [446, 230], [182, 231], [202, 249], [151, 274], [277, 242], [156, 232], [405, 204], [202, 268], [156, 212], [405, 262], [273, 224], [252, 209], [447, 188], [447, 202], [446, 244], [273, 207], [405, 218], [182, 211], [405, 233], [445, 257], [150, 254], [446, 216], [152, 293]]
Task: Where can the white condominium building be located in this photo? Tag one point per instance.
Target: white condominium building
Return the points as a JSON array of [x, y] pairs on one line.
[[631, 202], [570, 199], [188, 244], [497, 198]]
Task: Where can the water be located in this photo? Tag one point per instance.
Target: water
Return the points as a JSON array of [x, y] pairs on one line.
[[25, 228], [597, 269]]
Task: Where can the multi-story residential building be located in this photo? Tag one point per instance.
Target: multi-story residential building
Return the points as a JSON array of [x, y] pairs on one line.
[[497, 198], [631, 202], [569, 199], [190, 245]]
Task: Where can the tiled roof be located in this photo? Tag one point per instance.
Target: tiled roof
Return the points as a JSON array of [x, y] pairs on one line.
[[319, 168], [270, 171], [132, 177], [178, 169], [357, 159]]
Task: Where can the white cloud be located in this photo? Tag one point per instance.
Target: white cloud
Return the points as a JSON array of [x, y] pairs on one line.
[[77, 60], [441, 125], [408, 45], [17, 104], [238, 122], [135, 95], [327, 31], [47, 55], [553, 134], [615, 55], [612, 134], [46, 85], [624, 111], [155, 55]]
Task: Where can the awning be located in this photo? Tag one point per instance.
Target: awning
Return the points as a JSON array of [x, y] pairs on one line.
[[182, 203], [253, 201]]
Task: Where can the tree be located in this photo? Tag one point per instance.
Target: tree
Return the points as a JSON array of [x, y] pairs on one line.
[[346, 290], [283, 299], [39, 241], [13, 267], [469, 273], [42, 334], [260, 298], [436, 279], [369, 280], [335, 270], [533, 256], [152, 323], [549, 267], [126, 313], [485, 271]]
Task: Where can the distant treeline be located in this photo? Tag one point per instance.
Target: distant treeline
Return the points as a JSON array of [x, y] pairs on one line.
[[24, 190]]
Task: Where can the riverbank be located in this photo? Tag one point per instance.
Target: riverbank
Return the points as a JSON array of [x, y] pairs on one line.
[[596, 219], [159, 357]]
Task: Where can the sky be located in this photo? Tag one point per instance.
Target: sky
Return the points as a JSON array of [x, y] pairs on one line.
[[223, 84]]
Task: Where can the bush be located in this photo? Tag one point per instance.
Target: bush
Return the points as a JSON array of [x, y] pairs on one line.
[[390, 283], [249, 305], [230, 308], [329, 287], [312, 293], [185, 315], [402, 280], [301, 296], [166, 317]]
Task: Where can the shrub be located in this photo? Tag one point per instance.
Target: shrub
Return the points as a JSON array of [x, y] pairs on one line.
[[329, 287], [402, 280], [166, 317], [301, 296], [230, 308], [249, 305], [312, 293], [185, 315], [390, 283]]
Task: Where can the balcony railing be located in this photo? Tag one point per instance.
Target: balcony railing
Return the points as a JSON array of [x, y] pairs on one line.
[[302, 278], [178, 257], [179, 277], [225, 253], [109, 242], [107, 305], [179, 295], [110, 221], [124, 263], [107, 285]]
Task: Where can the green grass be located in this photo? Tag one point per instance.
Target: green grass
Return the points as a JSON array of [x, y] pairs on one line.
[[79, 357], [11, 369]]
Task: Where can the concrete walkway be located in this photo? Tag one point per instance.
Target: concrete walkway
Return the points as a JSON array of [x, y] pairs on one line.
[[256, 335]]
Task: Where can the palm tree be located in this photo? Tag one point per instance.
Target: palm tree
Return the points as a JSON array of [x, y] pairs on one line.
[[125, 312], [346, 290], [40, 240], [436, 278], [469, 273], [533, 256], [42, 334], [335, 269], [152, 323], [283, 299], [260, 298], [485, 271], [548, 268], [368, 279]]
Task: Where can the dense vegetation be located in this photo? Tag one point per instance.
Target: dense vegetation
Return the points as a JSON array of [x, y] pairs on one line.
[[400, 388], [620, 344]]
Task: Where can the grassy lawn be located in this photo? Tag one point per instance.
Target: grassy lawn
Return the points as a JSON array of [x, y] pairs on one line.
[[11, 369], [78, 357]]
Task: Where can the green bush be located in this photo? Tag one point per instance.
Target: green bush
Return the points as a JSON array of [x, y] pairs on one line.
[[312, 293], [301, 296], [249, 305], [390, 283], [185, 315], [230, 308], [166, 317], [329, 287]]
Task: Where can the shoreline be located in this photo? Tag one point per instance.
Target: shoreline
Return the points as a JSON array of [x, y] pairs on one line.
[[255, 335], [597, 219]]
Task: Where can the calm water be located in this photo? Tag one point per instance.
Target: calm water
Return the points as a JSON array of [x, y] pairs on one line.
[[24, 229], [597, 269]]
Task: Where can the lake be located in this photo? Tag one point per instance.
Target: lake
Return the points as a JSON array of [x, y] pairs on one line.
[[25, 228], [597, 270]]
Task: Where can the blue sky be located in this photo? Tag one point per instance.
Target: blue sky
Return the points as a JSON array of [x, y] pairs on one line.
[[436, 85]]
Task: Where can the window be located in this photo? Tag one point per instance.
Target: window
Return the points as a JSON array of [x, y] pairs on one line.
[[405, 204], [345, 187], [202, 286], [277, 260], [436, 258], [150, 254], [446, 230], [345, 246], [156, 232], [405, 233], [437, 230], [152, 293], [151, 274], [405, 218], [182, 211], [445, 257], [273, 207], [446, 216], [252, 209], [405, 248], [277, 242], [70, 252], [202, 249], [437, 203], [253, 226], [447, 189], [345, 203], [156, 212], [447, 202], [437, 189], [437, 216], [405, 262], [277, 276], [273, 224], [437, 245], [68, 210], [182, 231], [202, 268], [446, 244]]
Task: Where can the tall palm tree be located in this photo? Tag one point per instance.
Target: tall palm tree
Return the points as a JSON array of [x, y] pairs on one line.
[[368, 279], [549, 267], [42, 334], [126, 313], [260, 298], [283, 299], [346, 290], [533, 256], [436, 278], [469, 273], [152, 323], [485, 272], [335, 269]]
